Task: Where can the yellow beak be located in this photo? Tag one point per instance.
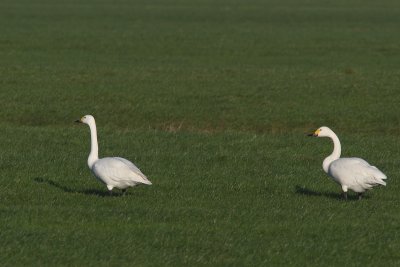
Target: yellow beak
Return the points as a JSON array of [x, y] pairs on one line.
[[315, 134]]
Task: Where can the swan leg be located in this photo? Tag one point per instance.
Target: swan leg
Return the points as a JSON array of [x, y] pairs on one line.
[[344, 188], [123, 192], [110, 188], [360, 196]]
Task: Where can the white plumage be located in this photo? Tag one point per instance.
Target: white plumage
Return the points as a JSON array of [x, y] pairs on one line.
[[351, 173], [114, 172]]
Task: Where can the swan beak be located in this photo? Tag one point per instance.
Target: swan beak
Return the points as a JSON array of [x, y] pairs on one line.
[[315, 134], [78, 121]]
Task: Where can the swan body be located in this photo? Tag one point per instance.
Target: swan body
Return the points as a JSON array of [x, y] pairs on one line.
[[114, 172], [350, 173]]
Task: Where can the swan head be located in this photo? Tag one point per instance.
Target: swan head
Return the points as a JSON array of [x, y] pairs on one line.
[[87, 119], [322, 132]]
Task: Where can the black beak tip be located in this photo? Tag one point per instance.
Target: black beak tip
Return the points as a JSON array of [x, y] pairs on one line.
[[311, 134], [78, 121]]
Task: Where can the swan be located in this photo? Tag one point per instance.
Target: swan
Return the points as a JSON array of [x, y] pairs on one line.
[[112, 171], [350, 173]]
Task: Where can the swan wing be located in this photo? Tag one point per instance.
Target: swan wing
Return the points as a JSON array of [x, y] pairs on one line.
[[134, 169], [119, 171], [367, 170], [130, 165], [357, 172]]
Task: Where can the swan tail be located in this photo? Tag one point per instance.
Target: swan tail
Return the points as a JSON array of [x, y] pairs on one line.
[[145, 181], [380, 181], [379, 176], [370, 176]]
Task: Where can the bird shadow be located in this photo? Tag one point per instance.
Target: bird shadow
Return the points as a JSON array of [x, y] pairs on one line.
[[301, 190], [67, 189]]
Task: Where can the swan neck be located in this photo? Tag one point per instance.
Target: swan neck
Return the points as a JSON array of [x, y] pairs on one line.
[[94, 149], [337, 150]]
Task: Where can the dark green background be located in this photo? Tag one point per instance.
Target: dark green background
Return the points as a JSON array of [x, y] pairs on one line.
[[211, 99]]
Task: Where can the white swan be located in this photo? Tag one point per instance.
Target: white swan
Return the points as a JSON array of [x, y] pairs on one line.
[[351, 173], [112, 171]]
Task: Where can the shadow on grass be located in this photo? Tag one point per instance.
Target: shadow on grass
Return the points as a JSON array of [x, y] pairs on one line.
[[66, 189], [308, 192]]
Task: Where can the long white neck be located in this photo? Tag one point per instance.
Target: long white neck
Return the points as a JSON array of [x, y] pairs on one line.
[[94, 150], [337, 150]]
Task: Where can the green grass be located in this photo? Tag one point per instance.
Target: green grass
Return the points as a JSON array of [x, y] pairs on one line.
[[211, 99]]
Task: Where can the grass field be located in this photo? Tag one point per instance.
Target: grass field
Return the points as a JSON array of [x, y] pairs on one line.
[[212, 100]]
